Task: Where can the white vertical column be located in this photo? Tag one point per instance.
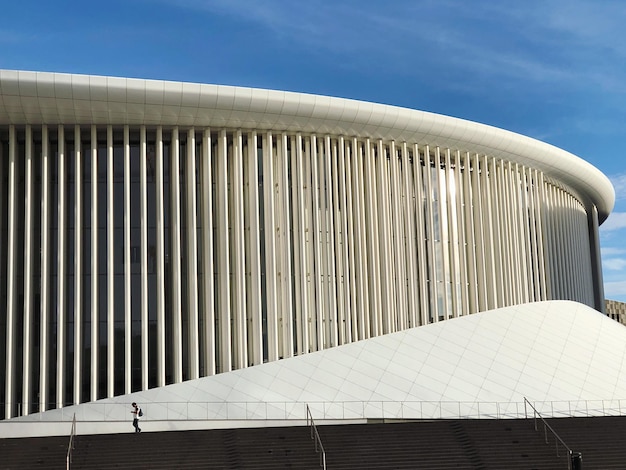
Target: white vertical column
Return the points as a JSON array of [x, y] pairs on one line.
[[28, 274], [431, 268], [486, 231], [285, 249], [160, 259], [505, 229], [175, 259], [420, 236], [489, 233], [357, 201], [452, 234], [240, 358], [302, 260], [360, 209], [348, 204], [371, 216], [298, 270], [468, 194], [344, 215], [333, 326], [397, 234], [95, 340], [143, 215], [61, 271], [440, 259], [224, 315], [478, 175], [568, 235], [409, 235], [558, 254], [505, 221], [547, 225], [576, 262], [110, 267], [310, 237], [11, 277], [128, 326], [308, 268], [78, 265], [254, 253], [560, 242], [523, 227], [45, 270], [512, 232], [462, 234], [192, 257], [542, 236], [270, 248], [317, 245], [336, 247], [442, 256], [531, 235], [385, 245], [208, 287], [327, 323], [516, 240], [568, 274], [533, 268]]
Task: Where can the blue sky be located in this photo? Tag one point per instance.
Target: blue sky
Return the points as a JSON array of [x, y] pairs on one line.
[[554, 70]]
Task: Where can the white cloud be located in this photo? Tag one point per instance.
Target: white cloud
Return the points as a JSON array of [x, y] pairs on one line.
[[612, 289], [615, 221], [612, 251], [547, 41], [619, 183], [614, 264]]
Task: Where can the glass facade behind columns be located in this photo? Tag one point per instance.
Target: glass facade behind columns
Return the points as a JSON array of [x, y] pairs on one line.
[[135, 257]]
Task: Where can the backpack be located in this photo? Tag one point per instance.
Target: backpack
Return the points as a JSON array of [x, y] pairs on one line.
[[140, 413]]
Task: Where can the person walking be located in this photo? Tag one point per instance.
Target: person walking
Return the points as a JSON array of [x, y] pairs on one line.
[[137, 413]]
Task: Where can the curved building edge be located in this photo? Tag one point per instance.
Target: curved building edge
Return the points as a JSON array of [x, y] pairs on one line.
[[54, 98]]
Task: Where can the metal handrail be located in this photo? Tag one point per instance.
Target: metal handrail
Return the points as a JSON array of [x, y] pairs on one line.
[[545, 432], [315, 435], [70, 446], [115, 411]]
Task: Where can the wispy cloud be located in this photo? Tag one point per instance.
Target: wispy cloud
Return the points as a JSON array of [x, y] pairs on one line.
[[614, 264], [613, 251], [619, 183], [555, 41], [613, 289], [615, 221]]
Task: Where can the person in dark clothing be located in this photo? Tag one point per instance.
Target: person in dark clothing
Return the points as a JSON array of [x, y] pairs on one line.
[[136, 411]]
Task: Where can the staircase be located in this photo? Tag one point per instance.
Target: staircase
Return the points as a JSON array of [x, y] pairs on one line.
[[430, 445]]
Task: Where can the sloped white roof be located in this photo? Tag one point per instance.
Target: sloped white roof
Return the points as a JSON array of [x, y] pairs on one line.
[[57, 98], [561, 355]]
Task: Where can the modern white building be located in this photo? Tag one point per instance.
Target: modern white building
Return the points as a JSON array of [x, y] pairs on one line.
[[154, 233]]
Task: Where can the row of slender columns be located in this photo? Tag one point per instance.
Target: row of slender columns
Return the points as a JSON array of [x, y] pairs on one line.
[[360, 238]]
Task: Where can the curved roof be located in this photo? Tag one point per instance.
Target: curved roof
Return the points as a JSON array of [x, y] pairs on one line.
[[54, 98], [479, 365]]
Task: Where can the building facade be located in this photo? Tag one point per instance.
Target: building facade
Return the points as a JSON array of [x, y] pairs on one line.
[[156, 232]]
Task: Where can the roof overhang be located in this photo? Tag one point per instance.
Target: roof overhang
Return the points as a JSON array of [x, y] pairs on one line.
[[55, 98]]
